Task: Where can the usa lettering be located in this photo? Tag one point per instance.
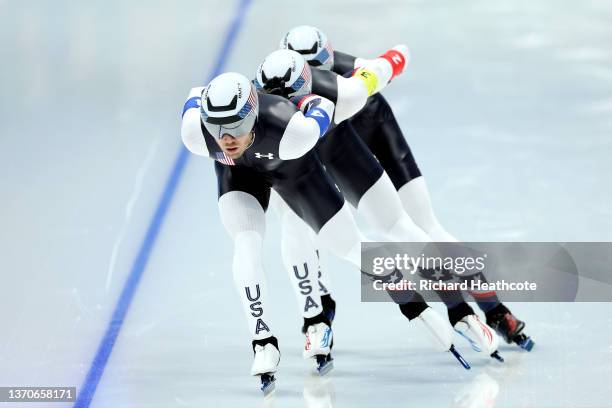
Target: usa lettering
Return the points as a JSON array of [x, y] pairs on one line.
[[305, 286], [256, 309]]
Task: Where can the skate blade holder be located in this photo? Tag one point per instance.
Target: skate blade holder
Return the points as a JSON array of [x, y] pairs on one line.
[[472, 342], [268, 384], [324, 364], [525, 342], [497, 356], [459, 357]]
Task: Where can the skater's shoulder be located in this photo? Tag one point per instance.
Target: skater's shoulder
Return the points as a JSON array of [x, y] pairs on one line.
[[275, 113], [273, 108]]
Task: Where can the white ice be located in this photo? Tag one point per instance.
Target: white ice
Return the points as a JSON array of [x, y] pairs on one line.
[[507, 107]]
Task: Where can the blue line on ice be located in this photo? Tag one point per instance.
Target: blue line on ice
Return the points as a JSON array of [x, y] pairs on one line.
[[88, 388]]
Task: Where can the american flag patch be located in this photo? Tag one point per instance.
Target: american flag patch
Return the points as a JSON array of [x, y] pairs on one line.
[[325, 55], [223, 158], [250, 105], [329, 49], [304, 78]]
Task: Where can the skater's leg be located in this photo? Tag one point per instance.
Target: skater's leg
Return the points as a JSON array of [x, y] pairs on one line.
[[243, 198], [509, 327], [314, 199], [312, 196], [487, 300], [325, 285], [405, 196], [364, 183], [244, 220], [382, 208], [411, 303], [369, 188], [417, 203], [325, 288], [338, 232], [300, 258], [341, 236], [386, 140]]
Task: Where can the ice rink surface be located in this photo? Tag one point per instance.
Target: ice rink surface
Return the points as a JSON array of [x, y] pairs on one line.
[[507, 106]]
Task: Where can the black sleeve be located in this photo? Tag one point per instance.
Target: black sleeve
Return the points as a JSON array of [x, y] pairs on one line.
[[343, 63], [325, 84]]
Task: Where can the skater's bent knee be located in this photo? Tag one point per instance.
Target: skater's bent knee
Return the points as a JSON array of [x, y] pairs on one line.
[[241, 212], [247, 248]]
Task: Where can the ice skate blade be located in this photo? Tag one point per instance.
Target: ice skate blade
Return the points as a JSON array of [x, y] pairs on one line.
[[472, 343], [459, 357], [497, 356], [268, 384], [324, 364], [526, 343]]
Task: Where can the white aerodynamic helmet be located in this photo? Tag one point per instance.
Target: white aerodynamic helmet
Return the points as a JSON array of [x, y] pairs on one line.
[[312, 43], [229, 105], [284, 73]]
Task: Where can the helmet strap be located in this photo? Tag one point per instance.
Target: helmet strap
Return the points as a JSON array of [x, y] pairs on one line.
[[252, 134]]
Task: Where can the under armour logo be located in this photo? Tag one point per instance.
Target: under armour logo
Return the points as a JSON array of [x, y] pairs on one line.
[[269, 156]]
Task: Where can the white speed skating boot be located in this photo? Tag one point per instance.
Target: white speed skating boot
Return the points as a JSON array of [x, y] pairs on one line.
[[319, 341], [438, 329], [480, 336], [265, 362]]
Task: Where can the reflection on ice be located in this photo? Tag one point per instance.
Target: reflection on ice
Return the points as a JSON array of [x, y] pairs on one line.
[[481, 392], [506, 106], [319, 391]]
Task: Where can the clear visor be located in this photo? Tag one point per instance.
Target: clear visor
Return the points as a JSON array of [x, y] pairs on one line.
[[236, 129]]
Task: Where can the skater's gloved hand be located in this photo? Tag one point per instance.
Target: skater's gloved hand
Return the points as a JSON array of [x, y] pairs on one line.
[[316, 107]]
